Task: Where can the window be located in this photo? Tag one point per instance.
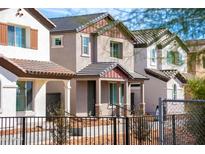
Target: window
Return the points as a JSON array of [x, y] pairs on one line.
[[153, 56], [116, 49], [175, 58], [24, 96], [174, 92], [113, 93], [57, 41], [85, 46], [16, 36], [122, 94]]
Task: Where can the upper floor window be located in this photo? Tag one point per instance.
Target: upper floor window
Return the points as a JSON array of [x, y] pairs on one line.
[[153, 56], [57, 41], [24, 96], [116, 49], [16, 36], [174, 92], [85, 46], [175, 58]]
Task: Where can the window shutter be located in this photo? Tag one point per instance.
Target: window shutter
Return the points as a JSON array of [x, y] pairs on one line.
[[3, 34], [34, 39]]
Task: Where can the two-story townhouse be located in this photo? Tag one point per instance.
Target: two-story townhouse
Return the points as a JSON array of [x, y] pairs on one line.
[[196, 57], [25, 65], [162, 56], [100, 50]]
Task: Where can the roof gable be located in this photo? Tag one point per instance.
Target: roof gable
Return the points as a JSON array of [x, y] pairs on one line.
[[38, 16], [102, 69], [166, 75], [98, 24], [77, 23]]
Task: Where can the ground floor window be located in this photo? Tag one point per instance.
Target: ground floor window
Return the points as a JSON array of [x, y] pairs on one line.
[[113, 93], [122, 96], [24, 96]]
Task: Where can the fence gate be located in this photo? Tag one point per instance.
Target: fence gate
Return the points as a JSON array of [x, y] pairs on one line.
[[181, 122]]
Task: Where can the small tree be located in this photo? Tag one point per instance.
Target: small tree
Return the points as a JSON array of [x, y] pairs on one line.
[[140, 127], [60, 131]]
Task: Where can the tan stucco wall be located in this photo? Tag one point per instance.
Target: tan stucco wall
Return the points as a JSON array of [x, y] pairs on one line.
[[103, 51], [66, 55]]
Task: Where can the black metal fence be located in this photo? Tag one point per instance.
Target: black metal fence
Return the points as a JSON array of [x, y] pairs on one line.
[[178, 122], [78, 130]]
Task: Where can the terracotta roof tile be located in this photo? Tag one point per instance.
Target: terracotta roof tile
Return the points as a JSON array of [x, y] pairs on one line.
[[35, 69]]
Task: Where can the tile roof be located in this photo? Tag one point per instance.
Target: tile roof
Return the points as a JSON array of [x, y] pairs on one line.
[[148, 36], [76, 23], [166, 75], [100, 68], [162, 36], [35, 69]]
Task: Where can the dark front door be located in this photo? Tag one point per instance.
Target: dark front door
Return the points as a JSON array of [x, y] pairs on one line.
[[132, 102], [91, 97], [53, 103]]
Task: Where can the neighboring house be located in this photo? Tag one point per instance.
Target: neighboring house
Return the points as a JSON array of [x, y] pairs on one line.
[[196, 58], [25, 65], [162, 56], [100, 50]]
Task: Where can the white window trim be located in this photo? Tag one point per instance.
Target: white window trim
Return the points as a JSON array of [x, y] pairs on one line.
[[153, 63], [52, 43], [89, 49]]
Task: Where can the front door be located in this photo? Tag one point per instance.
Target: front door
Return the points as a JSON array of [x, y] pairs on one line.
[[91, 97], [53, 103]]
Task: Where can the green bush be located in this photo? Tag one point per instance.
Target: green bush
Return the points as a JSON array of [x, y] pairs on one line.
[[196, 111]]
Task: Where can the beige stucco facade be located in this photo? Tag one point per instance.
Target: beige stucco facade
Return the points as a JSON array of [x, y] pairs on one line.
[[70, 55]]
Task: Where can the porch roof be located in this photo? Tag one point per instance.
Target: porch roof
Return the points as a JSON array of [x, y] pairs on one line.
[[101, 68], [35, 69], [166, 75]]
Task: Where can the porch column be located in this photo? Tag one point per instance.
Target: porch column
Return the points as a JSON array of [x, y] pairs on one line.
[[67, 88], [98, 97], [127, 86], [142, 102]]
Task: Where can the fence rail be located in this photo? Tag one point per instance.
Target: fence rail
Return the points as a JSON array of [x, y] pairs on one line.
[[78, 130], [178, 122]]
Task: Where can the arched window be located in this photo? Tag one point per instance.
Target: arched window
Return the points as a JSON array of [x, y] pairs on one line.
[[174, 92]]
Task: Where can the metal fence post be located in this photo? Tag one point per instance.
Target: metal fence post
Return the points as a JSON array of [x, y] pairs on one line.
[[161, 122], [23, 131], [173, 130], [115, 130], [127, 132]]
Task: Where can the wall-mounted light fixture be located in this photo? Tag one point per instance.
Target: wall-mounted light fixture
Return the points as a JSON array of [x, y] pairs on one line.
[[19, 13]]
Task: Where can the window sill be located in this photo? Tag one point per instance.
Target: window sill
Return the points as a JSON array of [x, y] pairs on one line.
[[57, 46], [25, 113], [84, 55]]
